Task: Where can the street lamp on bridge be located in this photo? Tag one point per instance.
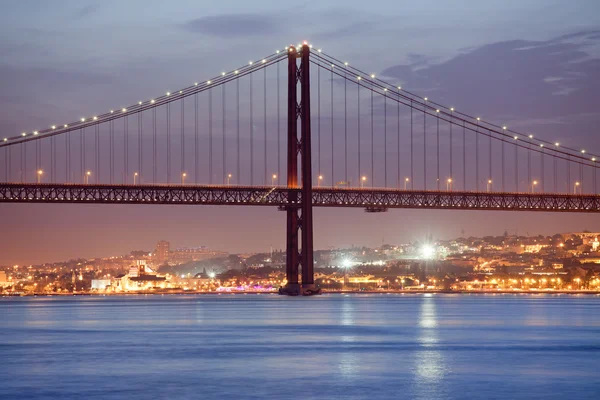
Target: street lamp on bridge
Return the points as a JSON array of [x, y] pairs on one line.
[[362, 181], [575, 186], [319, 180], [135, 175], [183, 175], [406, 180], [449, 184], [87, 177], [533, 185], [39, 175], [228, 179], [489, 185], [273, 179]]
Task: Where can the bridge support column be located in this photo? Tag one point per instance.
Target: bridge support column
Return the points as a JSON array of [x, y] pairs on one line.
[[299, 211]]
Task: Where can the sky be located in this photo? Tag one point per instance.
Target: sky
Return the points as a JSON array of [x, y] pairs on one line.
[[534, 64]]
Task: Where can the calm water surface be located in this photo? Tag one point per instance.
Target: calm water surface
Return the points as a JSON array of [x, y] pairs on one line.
[[326, 347]]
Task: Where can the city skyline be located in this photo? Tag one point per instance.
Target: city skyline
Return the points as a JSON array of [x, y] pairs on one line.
[[559, 100]]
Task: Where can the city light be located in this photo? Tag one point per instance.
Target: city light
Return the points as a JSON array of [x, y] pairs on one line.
[[427, 251]]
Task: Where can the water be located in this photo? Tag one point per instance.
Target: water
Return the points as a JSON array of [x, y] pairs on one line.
[[326, 347]]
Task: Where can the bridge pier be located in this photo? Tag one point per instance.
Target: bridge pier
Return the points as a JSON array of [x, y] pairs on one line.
[[299, 210]]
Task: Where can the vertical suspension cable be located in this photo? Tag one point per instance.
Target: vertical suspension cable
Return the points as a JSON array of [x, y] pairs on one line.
[[502, 165], [238, 169], [6, 163], [319, 120], [97, 167], [542, 171], [140, 152], [594, 177], [358, 116], [168, 142], [53, 158], [385, 139], [82, 164], [154, 155], [477, 157], [464, 154], [265, 120], [210, 138], [555, 175], [332, 177], [346, 123], [126, 148], [516, 167], [111, 142], [490, 155], [450, 145], [196, 160], [398, 143], [68, 148], [23, 160], [23, 151], [438, 151], [279, 128], [224, 128], [568, 173], [528, 164], [412, 175], [424, 149], [251, 134], [9, 168], [581, 176], [372, 141], [182, 155]]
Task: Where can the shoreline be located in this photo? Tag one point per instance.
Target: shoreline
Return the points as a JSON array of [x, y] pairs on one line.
[[324, 292]]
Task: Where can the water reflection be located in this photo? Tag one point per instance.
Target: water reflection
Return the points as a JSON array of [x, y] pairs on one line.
[[429, 362], [348, 360]]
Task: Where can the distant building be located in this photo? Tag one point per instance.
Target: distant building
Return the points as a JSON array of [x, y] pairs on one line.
[[161, 254], [4, 280], [100, 284]]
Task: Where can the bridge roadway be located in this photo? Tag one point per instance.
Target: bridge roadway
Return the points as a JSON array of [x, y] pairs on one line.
[[368, 198]]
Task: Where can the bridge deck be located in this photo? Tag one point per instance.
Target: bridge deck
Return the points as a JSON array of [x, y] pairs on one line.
[[278, 196]]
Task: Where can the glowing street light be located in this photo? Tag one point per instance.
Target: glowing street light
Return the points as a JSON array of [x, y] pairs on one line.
[[362, 181], [273, 177], [228, 179], [575, 186], [406, 180], [489, 185], [183, 175], [87, 176], [449, 184], [533, 185], [39, 175], [135, 175], [319, 180]]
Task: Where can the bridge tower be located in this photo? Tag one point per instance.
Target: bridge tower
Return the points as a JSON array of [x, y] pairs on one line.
[[299, 247]]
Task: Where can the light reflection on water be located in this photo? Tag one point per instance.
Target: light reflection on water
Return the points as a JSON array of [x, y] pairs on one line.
[[331, 346]]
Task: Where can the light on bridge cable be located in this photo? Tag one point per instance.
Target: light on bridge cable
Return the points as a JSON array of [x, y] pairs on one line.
[[582, 151], [35, 132], [168, 93], [53, 126], [95, 118], [451, 108], [23, 134], [5, 139], [530, 136], [140, 103], [557, 144], [66, 126], [208, 82], [124, 110], [82, 119]]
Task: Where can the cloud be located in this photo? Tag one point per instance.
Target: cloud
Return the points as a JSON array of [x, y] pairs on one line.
[[234, 25]]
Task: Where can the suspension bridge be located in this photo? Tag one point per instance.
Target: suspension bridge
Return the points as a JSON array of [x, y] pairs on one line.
[[317, 132]]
